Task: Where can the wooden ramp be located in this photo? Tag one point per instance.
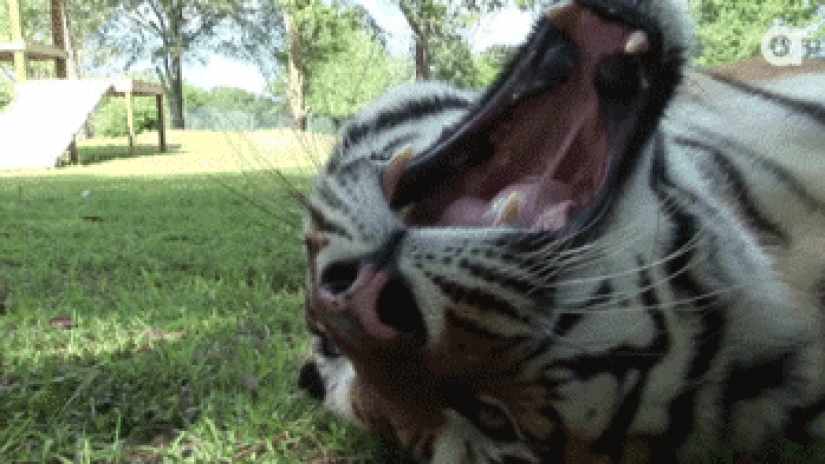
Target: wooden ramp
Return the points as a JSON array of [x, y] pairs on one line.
[[41, 122]]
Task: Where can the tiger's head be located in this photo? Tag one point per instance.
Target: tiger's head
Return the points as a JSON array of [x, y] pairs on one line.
[[449, 236]]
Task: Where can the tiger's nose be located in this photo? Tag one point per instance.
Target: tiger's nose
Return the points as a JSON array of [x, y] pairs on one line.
[[355, 289]]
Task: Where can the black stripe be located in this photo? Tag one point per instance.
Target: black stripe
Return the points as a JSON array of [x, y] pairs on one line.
[[476, 297], [322, 224], [662, 341], [612, 440], [768, 165], [749, 381], [467, 325], [741, 192], [409, 111], [600, 296], [820, 289], [685, 287], [489, 274], [565, 323], [813, 110], [801, 417]]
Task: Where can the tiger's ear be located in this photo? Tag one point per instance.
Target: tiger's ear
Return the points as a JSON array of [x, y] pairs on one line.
[[492, 418]]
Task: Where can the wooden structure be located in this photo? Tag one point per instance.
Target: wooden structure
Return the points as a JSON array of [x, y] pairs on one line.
[[20, 51]]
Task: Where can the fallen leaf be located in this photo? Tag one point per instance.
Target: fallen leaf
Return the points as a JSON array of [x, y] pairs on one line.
[[159, 335], [62, 322], [250, 381]]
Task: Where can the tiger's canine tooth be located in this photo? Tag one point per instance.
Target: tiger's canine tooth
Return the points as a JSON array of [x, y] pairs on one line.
[[394, 170], [509, 211], [637, 43]]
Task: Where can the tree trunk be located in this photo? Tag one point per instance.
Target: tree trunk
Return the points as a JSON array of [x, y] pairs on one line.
[[173, 64], [175, 92], [297, 85], [422, 60]]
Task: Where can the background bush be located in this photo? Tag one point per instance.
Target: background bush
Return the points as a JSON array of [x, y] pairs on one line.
[[110, 118]]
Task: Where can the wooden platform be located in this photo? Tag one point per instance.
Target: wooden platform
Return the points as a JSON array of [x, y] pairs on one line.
[[35, 51], [41, 121]]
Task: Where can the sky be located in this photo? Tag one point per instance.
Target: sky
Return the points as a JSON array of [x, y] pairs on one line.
[[507, 26]]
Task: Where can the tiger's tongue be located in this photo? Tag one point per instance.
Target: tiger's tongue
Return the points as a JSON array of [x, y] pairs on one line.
[[533, 203]]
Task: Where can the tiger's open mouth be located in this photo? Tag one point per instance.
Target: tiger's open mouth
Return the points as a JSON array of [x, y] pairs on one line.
[[547, 145]]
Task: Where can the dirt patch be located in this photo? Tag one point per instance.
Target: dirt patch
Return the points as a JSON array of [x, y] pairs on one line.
[[757, 69]]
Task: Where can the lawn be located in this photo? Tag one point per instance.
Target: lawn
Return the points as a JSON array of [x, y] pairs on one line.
[[155, 316]]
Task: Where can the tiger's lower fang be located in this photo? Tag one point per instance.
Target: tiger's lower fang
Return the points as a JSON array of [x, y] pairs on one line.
[[508, 212], [394, 170]]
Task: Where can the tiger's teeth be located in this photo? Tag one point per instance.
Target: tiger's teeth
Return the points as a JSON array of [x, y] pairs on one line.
[[394, 171], [637, 43], [509, 211]]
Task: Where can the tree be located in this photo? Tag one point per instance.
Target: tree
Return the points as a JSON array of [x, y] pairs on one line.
[[338, 88], [83, 18], [167, 33], [437, 27], [288, 39], [731, 30]]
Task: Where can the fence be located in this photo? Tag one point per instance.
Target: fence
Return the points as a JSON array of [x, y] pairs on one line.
[[202, 118]]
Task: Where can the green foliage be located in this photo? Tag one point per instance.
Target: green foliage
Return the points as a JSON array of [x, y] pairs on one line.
[[317, 27], [6, 94], [733, 30], [194, 96], [359, 72], [440, 33], [35, 18], [490, 63], [110, 119], [222, 107]]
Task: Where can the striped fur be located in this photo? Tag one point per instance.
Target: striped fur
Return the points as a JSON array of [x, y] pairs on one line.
[[690, 320]]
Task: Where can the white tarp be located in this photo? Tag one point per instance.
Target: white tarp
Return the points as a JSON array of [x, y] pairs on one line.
[[39, 124]]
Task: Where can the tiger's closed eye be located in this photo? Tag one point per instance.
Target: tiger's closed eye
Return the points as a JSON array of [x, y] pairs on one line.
[[328, 348]]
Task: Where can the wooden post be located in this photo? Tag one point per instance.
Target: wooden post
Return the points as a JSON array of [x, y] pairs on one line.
[[58, 14], [161, 123], [130, 120], [21, 62], [74, 158]]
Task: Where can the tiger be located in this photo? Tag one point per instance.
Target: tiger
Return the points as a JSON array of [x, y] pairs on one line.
[[607, 256]]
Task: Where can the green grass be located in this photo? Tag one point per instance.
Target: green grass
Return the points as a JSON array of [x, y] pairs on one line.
[[188, 327], [185, 296]]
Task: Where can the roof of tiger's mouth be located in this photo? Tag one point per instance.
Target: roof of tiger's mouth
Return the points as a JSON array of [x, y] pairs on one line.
[[535, 154], [519, 176]]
